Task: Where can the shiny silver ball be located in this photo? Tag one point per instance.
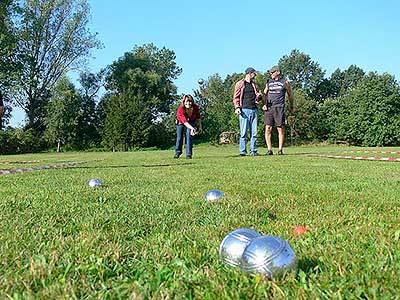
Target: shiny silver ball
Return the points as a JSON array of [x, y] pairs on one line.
[[95, 182], [214, 195], [269, 255], [233, 245], [200, 81]]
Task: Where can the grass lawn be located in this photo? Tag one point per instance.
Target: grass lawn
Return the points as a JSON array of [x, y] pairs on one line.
[[148, 233]]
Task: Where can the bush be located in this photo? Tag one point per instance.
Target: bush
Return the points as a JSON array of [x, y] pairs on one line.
[[368, 116]]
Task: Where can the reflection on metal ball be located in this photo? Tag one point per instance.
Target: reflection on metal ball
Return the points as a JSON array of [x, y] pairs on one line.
[[233, 245], [214, 195], [95, 182], [269, 255]]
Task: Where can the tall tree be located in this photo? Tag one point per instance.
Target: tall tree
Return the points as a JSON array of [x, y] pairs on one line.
[[63, 115], [8, 66], [303, 72], [88, 120], [53, 38], [344, 81], [215, 101], [142, 86]]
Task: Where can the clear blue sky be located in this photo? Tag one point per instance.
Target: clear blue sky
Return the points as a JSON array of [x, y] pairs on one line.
[[224, 36]]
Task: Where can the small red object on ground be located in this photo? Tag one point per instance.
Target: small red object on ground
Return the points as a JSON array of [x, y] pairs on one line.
[[299, 231]]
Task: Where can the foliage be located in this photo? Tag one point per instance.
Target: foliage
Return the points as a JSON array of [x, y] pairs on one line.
[[344, 82], [217, 108], [369, 115], [62, 118], [148, 233], [142, 91], [303, 123], [18, 140], [88, 122], [52, 39], [8, 66], [301, 71]]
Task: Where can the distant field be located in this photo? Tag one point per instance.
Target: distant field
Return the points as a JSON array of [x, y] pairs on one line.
[[149, 233]]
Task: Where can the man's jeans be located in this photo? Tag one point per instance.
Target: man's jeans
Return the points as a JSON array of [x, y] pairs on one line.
[[248, 120], [180, 129]]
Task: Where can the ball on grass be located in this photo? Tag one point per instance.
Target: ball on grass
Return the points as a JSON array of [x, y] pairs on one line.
[[214, 195], [299, 231], [95, 182]]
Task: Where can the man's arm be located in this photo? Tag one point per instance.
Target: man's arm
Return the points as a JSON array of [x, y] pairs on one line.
[[264, 99], [290, 94], [236, 98]]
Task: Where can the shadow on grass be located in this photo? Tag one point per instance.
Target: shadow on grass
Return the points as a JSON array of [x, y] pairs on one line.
[[307, 265], [132, 166]]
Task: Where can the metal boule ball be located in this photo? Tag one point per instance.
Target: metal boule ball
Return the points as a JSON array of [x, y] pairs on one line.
[[269, 255], [200, 81], [234, 244], [213, 195], [95, 182]]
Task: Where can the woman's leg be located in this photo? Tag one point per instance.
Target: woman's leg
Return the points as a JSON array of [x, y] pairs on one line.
[[179, 139]]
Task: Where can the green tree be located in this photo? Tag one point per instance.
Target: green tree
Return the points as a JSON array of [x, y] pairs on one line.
[[369, 115], [8, 42], [302, 72], [344, 81], [303, 125], [142, 91], [217, 109], [9, 68], [63, 115], [87, 130], [52, 39]]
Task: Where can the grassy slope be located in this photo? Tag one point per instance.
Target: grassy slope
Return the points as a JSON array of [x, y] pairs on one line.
[[148, 233]]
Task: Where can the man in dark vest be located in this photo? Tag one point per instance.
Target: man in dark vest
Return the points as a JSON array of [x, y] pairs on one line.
[[245, 100], [274, 110]]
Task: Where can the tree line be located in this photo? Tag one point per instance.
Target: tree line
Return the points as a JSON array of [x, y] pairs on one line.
[[42, 40]]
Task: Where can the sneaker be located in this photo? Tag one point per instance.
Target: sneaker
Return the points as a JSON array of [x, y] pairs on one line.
[[176, 155], [269, 152], [280, 152], [255, 154], [242, 154], [188, 157]]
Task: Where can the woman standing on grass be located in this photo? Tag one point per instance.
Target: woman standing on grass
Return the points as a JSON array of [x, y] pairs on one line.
[[186, 118]]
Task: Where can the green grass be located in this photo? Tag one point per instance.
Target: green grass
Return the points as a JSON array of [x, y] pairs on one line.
[[149, 233]]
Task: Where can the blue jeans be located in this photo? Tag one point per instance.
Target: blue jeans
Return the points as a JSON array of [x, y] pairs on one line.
[[180, 128], [248, 120]]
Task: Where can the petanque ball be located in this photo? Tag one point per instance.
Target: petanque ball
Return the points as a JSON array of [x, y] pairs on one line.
[[214, 195], [233, 245], [269, 255], [95, 182]]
